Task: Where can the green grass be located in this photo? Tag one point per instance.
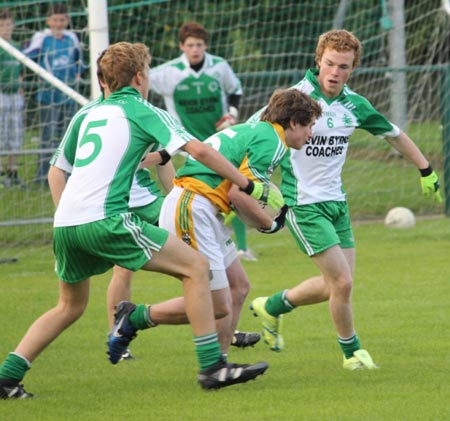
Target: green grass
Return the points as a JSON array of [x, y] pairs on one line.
[[401, 305]]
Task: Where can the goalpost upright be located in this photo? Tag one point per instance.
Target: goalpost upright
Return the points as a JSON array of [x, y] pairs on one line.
[[98, 38]]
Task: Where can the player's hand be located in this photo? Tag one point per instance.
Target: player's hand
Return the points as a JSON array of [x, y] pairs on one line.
[[228, 120], [266, 194], [277, 223], [430, 186]]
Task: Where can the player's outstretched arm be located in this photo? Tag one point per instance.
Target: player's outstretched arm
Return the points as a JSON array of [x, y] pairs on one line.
[[429, 180]]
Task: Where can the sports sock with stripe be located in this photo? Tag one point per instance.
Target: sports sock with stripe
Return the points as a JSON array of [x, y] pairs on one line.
[[14, 367], [279, 304], [208, 350], [349, 345], [140, 317]]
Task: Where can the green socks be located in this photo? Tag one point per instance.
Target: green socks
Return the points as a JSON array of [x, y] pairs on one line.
[[207, 347], [240, 233], [208, 350], [140, 317], [349, 345], [14, 367], [278, 304]]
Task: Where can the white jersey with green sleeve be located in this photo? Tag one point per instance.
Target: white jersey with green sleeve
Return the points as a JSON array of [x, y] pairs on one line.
[[313, 173], [143, 191], [64, 156], [111, 140], [197, 99]]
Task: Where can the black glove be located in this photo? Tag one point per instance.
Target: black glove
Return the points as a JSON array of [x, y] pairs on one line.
[[277, 223]]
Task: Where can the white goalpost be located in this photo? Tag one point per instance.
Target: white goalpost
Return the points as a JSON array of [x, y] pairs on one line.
[[446, 6], [98, 38]]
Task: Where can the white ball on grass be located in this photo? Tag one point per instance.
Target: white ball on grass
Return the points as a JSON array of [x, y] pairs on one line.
[[400, 217]]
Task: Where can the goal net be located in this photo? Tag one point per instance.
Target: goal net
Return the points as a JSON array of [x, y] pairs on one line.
[[270, 44]]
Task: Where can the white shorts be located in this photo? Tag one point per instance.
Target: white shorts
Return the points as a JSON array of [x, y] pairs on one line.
[[194, 219], [11, 121]]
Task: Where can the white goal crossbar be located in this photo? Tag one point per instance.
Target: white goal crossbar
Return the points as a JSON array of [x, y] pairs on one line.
[[446, 6], [40, 71]]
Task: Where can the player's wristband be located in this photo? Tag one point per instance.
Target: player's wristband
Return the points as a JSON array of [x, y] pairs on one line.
[[249, 189], [165, 157], [426, 171]]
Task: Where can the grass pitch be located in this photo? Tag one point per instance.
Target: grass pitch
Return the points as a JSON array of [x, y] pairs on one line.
[[401, 305]]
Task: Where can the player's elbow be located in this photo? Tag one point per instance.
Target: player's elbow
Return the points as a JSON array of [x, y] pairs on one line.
[[198, 150]]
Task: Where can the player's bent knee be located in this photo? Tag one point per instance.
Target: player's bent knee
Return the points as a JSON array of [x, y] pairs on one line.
[[71, 312], [344, 287], [240, 290], [200, 264], [221, 312], [222, 303], [122, 275]]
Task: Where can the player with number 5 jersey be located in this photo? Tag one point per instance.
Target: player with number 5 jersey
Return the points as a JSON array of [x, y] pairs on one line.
[[94, 230]]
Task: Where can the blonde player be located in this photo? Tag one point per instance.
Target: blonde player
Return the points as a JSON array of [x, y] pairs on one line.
[[93, 229], [318, 215]]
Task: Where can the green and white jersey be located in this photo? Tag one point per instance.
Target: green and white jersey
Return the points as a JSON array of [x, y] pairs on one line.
[[197, 99], [313, 173], [111, 139], [143, 191], [256, 149], [10, 70], [64, 155]]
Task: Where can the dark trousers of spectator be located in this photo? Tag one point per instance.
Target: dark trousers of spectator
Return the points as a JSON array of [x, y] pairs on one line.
[[54, 119]]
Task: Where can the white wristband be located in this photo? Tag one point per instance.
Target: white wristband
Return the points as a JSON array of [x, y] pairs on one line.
[[233, 111]]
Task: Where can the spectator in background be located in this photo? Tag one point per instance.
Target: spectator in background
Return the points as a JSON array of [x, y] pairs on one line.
[[203, 93], [11, 104], [58, 51]]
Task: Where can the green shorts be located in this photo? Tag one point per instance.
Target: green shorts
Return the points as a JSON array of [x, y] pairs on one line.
[[319, 226], [149, 213], [91, 249]]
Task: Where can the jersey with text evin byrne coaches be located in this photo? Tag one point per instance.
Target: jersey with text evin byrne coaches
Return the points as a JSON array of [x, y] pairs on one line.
[[313, 173], [111, 141]]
